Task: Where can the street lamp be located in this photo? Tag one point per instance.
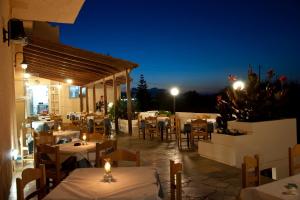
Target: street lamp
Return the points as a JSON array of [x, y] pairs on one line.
[[174, 92], [238, 85]]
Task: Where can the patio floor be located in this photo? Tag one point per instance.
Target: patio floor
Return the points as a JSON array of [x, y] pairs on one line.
[[202, 178]]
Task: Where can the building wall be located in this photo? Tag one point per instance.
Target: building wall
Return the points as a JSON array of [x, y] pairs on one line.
[[7, 104]]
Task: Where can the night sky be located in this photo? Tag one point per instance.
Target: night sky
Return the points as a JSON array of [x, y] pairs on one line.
[[192, 44]]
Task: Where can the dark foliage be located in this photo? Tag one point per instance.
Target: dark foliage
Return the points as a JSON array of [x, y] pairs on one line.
[[142, 95]]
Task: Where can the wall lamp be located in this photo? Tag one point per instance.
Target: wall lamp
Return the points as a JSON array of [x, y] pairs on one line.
[[15, 32], [24, 64]]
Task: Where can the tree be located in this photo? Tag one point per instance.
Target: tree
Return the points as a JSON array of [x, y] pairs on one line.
[[142, 95]]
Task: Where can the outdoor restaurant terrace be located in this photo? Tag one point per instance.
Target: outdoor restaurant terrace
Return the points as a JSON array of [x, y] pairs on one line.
[[72, 126]]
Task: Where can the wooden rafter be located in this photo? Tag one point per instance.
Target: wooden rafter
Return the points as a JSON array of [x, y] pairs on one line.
[[59, 62]]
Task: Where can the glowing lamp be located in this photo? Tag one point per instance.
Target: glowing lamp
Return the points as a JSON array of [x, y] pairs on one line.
[[174, 91], [107, 167], [69, 81], [238, 85]]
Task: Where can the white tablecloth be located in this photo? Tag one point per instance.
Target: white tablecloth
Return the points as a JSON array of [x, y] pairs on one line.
[[66, 134], [37, 124], [136, 183], [272, 191], [81, 152]]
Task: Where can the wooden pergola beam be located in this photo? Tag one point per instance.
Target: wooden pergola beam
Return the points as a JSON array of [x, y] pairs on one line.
[[62, 64], [87, 55], [69, 59]]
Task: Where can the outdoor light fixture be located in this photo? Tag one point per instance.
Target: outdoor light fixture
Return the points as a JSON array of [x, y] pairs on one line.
[[15, 32], [174, 92], [69, 81], [238, 85], [24, 65]]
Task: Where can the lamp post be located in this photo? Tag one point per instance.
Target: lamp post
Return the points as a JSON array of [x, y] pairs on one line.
[[174, 92]]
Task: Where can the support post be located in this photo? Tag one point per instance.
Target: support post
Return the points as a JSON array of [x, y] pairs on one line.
[[105, 97], [115, 103], [129, 103], [94, 97], [81, 99], [87, 99]]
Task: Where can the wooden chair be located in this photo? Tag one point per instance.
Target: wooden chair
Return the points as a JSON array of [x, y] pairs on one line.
[[50, 157], [173, 126], [294, 152], [151, 127], [198, 129], [250, 171], [141, 129], [94, 137], [123, 155], [104, 147], [28, 175], [27, 154], [43, 138], [175, 180], [99, 126], [180, 136]]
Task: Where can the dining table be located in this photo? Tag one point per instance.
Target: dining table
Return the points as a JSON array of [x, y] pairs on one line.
[[277, 190], [81, 150], [127, 183], [65, 135]]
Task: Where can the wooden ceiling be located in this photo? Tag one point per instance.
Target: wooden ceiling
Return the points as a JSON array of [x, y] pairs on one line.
[[59, 62]]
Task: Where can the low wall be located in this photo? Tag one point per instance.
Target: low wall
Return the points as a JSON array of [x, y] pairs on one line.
[[269, 139], [123, 126]]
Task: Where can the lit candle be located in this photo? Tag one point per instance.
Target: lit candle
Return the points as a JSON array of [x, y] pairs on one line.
[[107, 167], [59, 128], [84, 137]]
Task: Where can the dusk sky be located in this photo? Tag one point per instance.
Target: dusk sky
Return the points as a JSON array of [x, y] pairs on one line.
[[192, 44]]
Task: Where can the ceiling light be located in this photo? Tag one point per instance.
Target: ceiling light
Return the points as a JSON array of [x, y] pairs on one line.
[[69, 81]]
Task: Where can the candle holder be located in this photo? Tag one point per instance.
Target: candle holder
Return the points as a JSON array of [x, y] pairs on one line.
[[84, 142], [107, 169]]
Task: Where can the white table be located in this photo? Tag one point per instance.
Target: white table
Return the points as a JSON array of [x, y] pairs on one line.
[[38, 124], [87, 183], [81, 152], [66, 134], [272, 191]]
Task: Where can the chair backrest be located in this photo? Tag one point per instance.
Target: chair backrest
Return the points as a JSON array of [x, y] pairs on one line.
[[123, 155], [107, 146], [250, 171], [94, 137], [28, 175], [49, 156], [175, 180], [199, 125], [294, 152], [151, 122], [44, 138], [99, 123]]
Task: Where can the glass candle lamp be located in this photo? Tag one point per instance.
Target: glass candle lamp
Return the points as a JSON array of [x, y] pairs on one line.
[[84, 139], [107, 170]]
